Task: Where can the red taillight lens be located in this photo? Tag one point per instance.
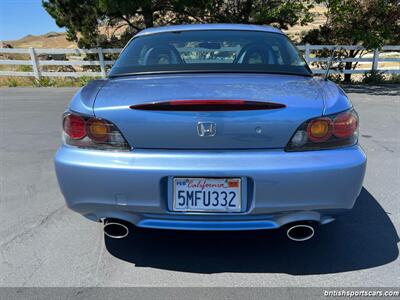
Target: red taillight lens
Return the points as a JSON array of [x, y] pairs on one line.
[[345, 124], [97, 130], [319, 130], [74, 126]]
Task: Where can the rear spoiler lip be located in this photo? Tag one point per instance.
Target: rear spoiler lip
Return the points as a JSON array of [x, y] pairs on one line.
[[208, 105]]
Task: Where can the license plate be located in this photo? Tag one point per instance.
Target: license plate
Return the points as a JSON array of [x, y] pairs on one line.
[[207, 194]]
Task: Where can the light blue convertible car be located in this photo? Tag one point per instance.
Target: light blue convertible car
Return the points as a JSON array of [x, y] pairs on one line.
[[210, 127]]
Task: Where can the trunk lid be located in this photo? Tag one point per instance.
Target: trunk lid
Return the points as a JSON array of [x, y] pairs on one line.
[[244, 129]]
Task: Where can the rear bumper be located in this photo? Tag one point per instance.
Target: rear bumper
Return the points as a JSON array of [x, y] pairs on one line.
[[280, 187]]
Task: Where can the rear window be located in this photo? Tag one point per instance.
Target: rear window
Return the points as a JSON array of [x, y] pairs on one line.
[[210, 51]]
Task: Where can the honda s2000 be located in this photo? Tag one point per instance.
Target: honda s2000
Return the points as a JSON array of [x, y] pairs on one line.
[[210, 127]]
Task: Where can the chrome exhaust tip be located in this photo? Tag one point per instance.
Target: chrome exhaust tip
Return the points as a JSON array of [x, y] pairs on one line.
[[300, 232], [116, 229]]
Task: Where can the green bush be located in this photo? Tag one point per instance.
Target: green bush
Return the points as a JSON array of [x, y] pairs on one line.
[[373, 77], [24, 68], [44, 82], [84, 80], [12, 82], [65, 82], [394, 78]]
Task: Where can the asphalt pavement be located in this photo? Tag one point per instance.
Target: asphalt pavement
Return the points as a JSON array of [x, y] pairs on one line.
[[43, 243]]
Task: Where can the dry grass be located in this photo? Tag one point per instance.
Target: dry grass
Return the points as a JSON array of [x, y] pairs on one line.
[[8, 81], [49, 40]]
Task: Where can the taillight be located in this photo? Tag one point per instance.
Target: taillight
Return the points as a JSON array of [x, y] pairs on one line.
[[74, 126], [345, 124], [328, 132], [92, 133]]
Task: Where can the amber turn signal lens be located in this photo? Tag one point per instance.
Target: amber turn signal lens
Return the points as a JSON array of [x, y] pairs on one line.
[[320, 130], [97, 130]]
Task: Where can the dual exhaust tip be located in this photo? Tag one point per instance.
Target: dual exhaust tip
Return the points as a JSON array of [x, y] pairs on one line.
[[118, 229], [300, 232]]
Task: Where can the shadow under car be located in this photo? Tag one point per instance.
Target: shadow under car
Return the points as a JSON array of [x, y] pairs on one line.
[[363, 238]]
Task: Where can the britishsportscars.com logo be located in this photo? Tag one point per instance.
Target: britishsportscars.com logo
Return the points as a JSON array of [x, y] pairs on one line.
[[361, 293]]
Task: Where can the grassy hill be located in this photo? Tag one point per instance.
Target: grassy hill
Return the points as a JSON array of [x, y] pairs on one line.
[[48, 40]]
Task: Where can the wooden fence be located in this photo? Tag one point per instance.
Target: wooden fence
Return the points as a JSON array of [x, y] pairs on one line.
[[373, 60], [35, 63]]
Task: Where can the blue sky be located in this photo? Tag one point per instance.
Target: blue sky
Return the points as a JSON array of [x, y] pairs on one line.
[[19, 18]]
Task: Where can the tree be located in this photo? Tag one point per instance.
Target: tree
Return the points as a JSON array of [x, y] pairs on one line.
[[112, 23], [279, 13], [368, 23]]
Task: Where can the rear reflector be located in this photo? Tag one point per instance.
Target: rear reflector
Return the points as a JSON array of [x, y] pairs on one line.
[[207, 105]]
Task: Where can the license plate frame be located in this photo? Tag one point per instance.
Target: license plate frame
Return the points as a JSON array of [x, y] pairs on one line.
[[209, 210]]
